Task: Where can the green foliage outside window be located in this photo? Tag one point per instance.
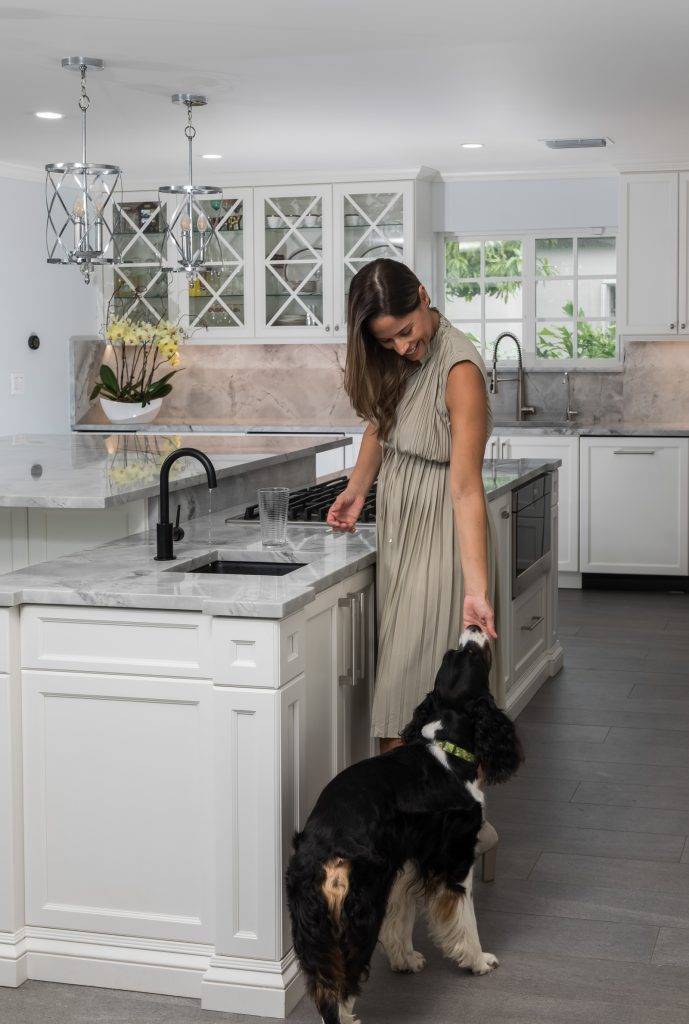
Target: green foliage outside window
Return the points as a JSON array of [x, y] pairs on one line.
[[504, 260], [594, 342]]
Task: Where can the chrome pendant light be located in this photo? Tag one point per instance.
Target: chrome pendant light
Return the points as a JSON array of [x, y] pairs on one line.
[[191, 227], [78, 195]]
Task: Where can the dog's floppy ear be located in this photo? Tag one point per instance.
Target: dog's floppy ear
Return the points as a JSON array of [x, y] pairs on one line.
[[423, 713], [496, 743]]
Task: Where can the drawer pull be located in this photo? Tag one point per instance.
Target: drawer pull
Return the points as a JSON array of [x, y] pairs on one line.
[[634, 451], [535, 619]]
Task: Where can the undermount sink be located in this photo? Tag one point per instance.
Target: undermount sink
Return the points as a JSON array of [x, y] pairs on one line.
[[226, 563], [225, 567]]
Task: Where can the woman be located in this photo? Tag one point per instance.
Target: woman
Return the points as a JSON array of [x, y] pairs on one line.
[[420, 385]]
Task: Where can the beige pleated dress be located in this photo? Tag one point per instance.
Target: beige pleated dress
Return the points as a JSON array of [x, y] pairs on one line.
[[419, 584]]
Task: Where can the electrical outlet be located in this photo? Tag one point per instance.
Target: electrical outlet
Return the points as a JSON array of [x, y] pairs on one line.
[[17, 383]]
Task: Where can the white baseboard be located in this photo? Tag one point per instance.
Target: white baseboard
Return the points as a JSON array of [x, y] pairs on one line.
[[259, 987], [13, 959], [266, 988], [569, 580], [548, 665]]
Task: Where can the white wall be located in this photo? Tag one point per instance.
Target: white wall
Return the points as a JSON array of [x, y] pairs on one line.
[[524, 205], [36, 298]]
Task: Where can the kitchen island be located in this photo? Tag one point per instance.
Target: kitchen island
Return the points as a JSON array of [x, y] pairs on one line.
[[163, 732], [62, 493]]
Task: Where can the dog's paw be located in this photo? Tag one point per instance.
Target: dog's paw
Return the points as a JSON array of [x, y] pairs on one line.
[[487, 962], [409, 963]]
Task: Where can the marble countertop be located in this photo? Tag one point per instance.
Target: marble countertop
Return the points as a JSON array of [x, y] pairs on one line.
[[125, 573], [626, 429], [101, 470]]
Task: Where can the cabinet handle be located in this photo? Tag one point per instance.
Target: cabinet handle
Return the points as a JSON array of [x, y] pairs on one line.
[[634, 451], [672, 327], [682, 326], [327, 327], [505, 514], [503, 445], [535, 619], [363, 633], [337, 327], [352, 677]]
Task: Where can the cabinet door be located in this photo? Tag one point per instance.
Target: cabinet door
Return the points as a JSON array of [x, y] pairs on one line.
[[648, 253], [525, 446], [293, 240], [372, 220], [219, 303], [634, 505], [137, 287]]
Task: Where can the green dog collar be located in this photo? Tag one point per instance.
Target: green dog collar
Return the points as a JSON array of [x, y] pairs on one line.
[[452, 748]]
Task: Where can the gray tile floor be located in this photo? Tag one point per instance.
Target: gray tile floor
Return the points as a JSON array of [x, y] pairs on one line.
[[590, 911]]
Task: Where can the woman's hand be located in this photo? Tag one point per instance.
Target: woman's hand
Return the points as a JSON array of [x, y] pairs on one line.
[[345, 510], [478, 611]]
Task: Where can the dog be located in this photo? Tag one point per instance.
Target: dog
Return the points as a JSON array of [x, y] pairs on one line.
[[395, 828]]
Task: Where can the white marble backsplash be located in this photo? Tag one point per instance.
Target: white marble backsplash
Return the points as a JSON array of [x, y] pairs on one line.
[[301, 384]]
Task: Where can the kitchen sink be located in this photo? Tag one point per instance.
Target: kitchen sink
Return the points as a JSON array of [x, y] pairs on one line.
[[227, 567]]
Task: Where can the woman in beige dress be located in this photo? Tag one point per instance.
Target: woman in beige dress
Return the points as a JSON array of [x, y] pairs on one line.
[[420, 385]]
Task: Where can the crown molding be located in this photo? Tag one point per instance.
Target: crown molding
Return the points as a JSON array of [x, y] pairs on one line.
[[19, 172], [533, 175], [649, 166], [277, 178]]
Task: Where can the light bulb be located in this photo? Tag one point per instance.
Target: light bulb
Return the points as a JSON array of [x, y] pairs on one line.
[[185, 222], [99, 201], [79, 208], [202, 223]]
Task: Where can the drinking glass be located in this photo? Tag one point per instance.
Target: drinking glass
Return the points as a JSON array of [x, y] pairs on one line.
[[272, 514]]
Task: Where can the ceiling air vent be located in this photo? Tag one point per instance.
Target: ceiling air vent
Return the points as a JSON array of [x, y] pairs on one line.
[[576, 143]]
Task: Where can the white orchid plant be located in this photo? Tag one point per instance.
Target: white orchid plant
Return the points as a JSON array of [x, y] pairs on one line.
[[139, 350]]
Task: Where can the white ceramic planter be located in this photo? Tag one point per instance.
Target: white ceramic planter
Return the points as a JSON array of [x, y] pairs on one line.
[[129, 412]]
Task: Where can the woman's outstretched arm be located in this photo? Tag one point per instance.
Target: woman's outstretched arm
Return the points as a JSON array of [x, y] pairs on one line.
[[467, 403]]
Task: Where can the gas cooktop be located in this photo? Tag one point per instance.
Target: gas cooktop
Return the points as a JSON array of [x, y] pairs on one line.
[[311, 504]]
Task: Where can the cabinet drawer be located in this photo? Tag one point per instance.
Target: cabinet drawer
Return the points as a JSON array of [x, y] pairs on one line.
[[529, 628], [122, 640], [247, 652]]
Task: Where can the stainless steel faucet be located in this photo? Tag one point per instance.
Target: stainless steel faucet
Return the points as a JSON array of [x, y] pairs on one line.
[[522, 410], [570, 413]]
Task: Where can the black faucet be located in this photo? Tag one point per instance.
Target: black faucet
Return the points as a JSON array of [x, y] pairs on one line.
[[164, 529]]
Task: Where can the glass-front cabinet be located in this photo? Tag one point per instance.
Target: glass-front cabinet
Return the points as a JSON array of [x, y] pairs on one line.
[[137, 287], [219, 302], [372, 221], [289, 258], [293, 236]]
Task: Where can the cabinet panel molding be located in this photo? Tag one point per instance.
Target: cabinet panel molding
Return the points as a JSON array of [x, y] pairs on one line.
[[118, 784], [127, 640]]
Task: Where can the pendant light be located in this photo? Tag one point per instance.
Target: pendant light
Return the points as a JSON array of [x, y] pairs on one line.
[[78, 195], [192, 224]]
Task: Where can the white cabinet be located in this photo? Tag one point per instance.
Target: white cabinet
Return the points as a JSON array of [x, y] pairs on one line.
[[372, 220], [653, 254], [634, 508], [500, 512], [532, 446], [294, 261], [289, 254]]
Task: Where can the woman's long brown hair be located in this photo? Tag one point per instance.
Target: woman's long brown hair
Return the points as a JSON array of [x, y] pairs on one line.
[[374, 377]]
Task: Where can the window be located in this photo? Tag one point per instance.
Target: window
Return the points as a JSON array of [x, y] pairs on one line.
[[483, 291], [531, 287]]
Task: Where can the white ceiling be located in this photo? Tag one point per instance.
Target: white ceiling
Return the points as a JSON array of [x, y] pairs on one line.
[[350, 84]]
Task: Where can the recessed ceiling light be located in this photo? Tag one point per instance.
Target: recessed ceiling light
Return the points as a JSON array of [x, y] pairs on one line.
[[49, 115], [472, 145], [211, 156]]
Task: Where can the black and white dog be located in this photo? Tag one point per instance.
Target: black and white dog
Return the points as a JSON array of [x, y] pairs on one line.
[[397, 827]]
